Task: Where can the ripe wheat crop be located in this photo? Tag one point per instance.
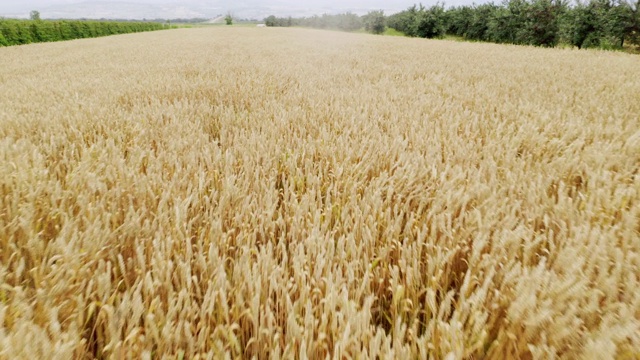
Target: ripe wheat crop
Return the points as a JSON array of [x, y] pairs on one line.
[[290, 193]]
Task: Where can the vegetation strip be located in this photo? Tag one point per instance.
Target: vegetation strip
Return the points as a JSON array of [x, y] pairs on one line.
[[20, 32], [606, 24]]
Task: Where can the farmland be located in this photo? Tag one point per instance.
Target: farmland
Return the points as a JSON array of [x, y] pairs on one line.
[[293, 193]]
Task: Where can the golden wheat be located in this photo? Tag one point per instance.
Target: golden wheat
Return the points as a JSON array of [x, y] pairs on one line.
[[289, 193]]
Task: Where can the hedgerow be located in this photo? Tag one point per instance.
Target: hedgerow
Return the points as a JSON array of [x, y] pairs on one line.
[[19, 32]]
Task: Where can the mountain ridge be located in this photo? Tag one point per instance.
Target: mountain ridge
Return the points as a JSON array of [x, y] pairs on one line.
[[250, 9]]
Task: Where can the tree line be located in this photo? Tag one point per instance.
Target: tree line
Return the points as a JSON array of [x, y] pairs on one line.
[[18, 32], [606, 24], [346, 22], [373, 22]]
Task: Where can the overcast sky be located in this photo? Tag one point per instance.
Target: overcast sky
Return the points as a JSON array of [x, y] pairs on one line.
[[202, 8]]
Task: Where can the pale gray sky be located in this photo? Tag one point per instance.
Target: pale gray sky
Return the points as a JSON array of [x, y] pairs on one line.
[[202, 8]]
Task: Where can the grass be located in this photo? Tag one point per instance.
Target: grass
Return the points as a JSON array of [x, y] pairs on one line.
[[454, 38], [229, 191], [392, 32], [387, 31]]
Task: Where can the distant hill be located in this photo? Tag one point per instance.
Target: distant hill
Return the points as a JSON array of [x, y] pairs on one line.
[[172, 9]]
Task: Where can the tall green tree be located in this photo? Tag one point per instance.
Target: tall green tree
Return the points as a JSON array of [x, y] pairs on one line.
[[542, 24], [348, 22], [404, 21], [479, 28], [634, 31], [8, 28], [458, 20], [270, 20], [599, 23], [3, 41], [507, 22], [621, 22], [430, 23], [420, 21], [374, 22]]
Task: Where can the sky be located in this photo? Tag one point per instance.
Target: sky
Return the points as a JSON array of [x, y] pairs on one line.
[[201, 8]]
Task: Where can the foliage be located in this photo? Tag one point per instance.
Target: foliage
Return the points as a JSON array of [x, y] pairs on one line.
[[345, 22], [349, 22], [18, 32], [420, 21], [279, 22], [597, 23], [601, 23], [430, 23], [374, 22], [621, 22], [542, 26], [393, 32], [228, 19], [508, 23], [527, 22], [404, 21], [34, 15], [458, 20]]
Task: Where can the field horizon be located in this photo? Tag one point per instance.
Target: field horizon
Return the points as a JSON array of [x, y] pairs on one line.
[[237, 192]]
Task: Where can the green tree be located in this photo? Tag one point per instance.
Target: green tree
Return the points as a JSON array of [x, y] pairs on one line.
[[621, 22], [458, 20], [634, 29], [275, 21], [9, 32], [228, 19], [3, 41], [348, 22], [270, 20], [579, 25], [479, 24], [34, 15], [23, 33], [66, 30], [404, 21], [599, 23], [542, 27], [430, 23], [374, 22], [507, 23]]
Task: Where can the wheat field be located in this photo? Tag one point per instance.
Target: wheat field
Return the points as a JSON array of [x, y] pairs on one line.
[[288, 193]]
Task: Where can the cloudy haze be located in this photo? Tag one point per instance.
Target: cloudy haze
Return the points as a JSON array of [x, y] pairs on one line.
[[258, 9]]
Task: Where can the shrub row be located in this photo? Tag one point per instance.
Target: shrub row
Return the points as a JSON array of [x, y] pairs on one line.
[[593, 23], [373, 22], [18, 32], [607, 24]]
